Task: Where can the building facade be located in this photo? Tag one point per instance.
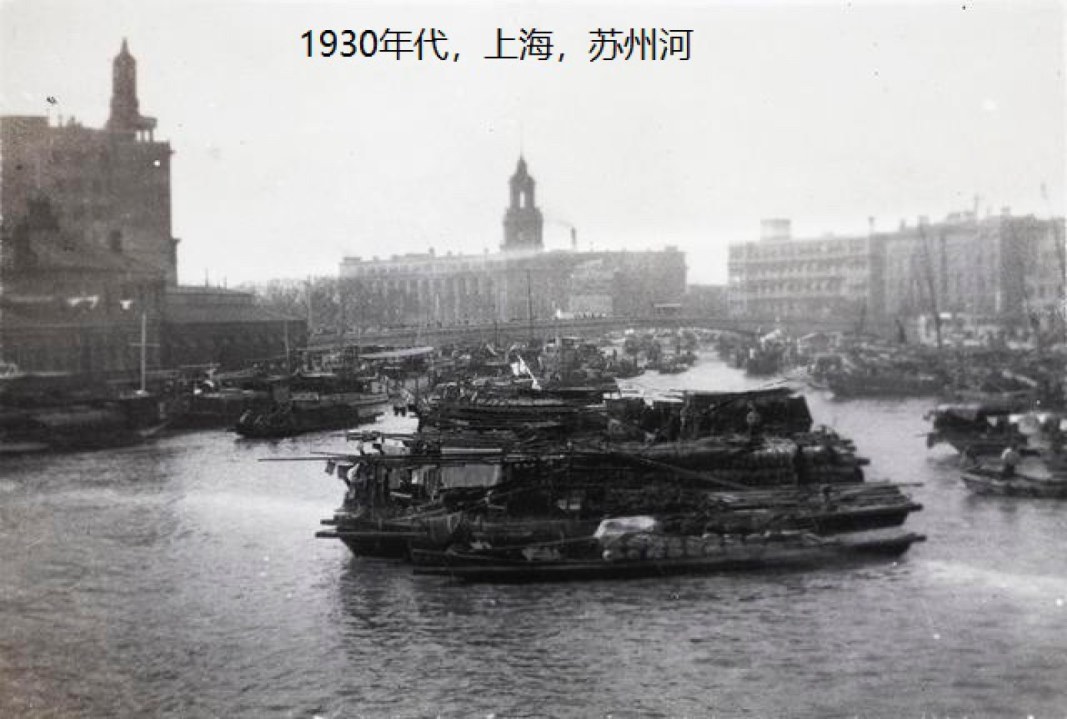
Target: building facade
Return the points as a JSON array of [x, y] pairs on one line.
[[69, 306], [111, 186], [825, 277], [1001, 267], [86, 251], [1004, 267], [520, 283], [227, 328]]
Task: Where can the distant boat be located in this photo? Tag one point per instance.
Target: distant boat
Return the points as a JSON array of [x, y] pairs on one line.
[[895, 383]]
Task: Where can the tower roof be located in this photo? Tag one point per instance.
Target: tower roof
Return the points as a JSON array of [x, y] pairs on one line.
[[520, 168]]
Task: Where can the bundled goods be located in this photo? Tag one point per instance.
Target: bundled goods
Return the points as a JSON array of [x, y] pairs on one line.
[[633, 546]]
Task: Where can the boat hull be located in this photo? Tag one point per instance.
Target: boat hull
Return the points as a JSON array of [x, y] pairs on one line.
[[1018, 486], [308, 417], [754, 555]]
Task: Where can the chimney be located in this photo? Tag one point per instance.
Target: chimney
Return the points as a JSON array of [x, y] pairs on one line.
[[870, 225]]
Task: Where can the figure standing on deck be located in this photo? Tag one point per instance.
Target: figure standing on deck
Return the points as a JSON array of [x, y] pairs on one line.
[[753, 421], [1009, 458]]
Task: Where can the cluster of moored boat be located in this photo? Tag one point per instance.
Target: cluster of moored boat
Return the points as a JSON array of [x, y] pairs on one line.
[[327, 388], [508, 487], [854, 366], [1003, 409]]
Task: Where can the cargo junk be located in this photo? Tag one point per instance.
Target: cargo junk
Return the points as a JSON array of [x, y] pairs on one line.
[[512, 489], [310, 401], [60, 412]]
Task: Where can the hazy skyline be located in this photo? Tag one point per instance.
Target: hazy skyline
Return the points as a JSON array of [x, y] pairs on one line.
[[826, 114]]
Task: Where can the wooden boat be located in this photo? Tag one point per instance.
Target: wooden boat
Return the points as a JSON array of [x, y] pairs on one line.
[[984, 480], [63, 422], [311, 402], [404, 537], [821, 368], [763, 362], [975, 428], [680, 555], [397, 503]]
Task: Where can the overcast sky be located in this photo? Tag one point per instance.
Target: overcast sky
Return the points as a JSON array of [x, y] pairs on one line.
[[826, 113]]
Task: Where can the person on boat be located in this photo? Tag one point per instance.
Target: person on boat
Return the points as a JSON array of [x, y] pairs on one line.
[[1009, 459], [753, 421]]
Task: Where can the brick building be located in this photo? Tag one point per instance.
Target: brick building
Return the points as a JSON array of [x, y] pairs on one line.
[[86, 246], [111, 187], [67, 305]]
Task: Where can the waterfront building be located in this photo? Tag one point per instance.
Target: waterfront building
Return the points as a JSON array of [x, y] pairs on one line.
[[1005, 268], [109, 186], [228, 328], [779, 277], [86, 248], [521, 282], [67, 305]]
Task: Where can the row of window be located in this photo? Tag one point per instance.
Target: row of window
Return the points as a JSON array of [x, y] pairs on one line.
[[798, 248]]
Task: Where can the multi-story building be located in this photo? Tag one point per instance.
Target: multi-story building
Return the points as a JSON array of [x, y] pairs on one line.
[[782, 277], [1003, 267], [111, 187], [86, 250], [67, 305], [519, 283]]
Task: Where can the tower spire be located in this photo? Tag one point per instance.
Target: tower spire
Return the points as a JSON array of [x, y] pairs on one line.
[[523, 222], [125, 108]]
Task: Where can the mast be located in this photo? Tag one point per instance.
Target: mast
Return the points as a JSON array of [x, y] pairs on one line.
[[341, 319], [144, 345], [144, 352], [931, 285], [288, 358], [529, 306]]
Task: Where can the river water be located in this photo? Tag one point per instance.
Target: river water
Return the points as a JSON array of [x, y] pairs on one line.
[[183, 579]]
